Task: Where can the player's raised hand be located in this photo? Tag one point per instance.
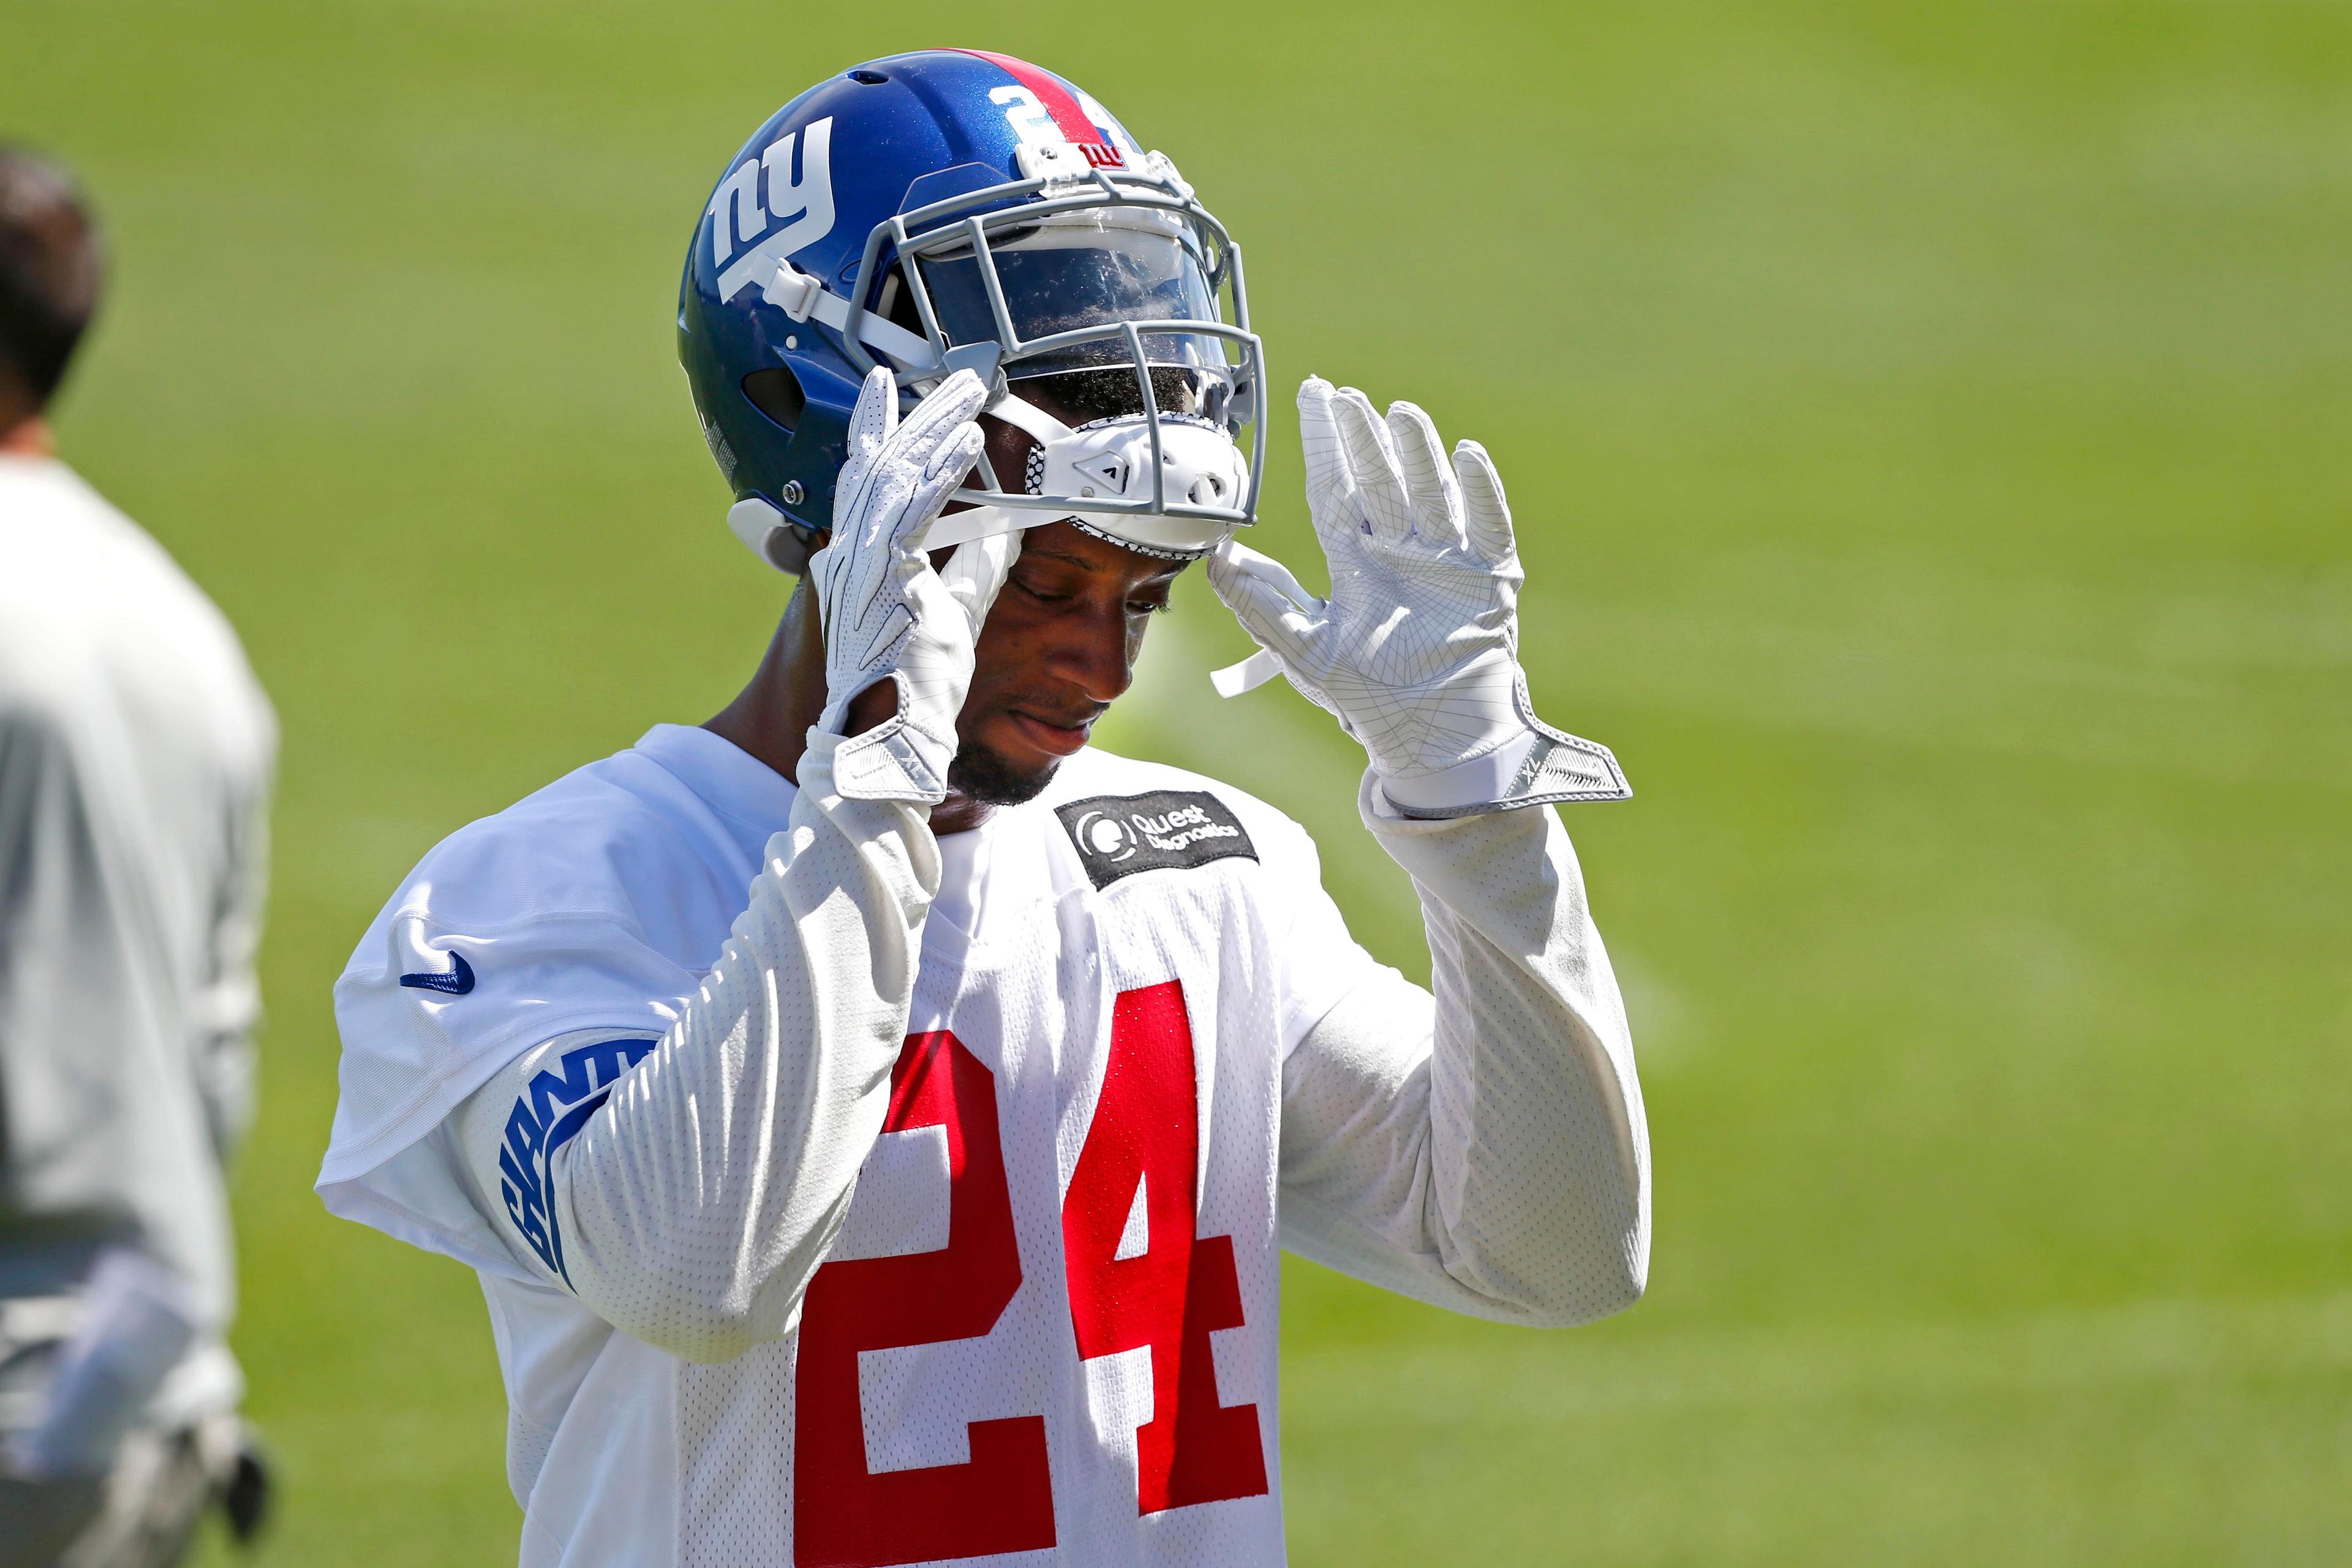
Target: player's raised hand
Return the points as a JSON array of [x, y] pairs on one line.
[[1416, 651], [887, 614]]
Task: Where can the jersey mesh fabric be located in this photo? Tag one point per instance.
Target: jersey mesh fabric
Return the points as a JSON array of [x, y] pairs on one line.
[[771, 1089], [1031, 996], [1291, 1029], [1502, 1168]]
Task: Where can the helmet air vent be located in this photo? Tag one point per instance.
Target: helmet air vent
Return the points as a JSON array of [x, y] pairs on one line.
[[776, 392], [868, 78]]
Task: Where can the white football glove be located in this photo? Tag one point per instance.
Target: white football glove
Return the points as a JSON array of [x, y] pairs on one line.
[[886, 615], [1416, 651]]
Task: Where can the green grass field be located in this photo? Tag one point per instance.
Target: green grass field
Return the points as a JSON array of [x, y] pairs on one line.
[[1930, 428]]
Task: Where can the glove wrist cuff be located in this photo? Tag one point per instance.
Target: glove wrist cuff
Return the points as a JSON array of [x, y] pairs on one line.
[[1539, 766], [898, 761]]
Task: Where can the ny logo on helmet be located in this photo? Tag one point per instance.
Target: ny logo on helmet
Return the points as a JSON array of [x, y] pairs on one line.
[[739, 216]]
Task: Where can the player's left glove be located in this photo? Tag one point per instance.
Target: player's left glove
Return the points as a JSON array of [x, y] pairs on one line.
[[887, 616], [1416, 651]]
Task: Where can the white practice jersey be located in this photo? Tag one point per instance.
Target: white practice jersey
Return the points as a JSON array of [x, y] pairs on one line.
[[778, 1276], [135, 758]]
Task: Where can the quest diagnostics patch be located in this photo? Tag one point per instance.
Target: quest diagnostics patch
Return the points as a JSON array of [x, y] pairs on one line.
[[1119, 834]]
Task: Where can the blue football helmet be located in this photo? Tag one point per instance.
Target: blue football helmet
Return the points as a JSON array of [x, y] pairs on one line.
[[953, 209]]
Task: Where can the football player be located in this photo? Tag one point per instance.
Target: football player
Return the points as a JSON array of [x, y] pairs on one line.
[[135, 757], [922, 1204]]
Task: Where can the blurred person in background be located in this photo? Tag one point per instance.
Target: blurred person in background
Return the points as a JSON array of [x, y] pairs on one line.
[[136, 751]]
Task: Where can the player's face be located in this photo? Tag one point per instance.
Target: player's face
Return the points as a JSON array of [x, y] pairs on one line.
[[1059, 645]]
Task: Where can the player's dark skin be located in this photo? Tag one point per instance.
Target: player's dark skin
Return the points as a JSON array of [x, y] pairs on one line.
[[1058, 647]]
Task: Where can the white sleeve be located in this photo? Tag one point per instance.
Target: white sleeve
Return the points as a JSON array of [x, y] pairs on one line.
[[685, 1190], [1485, 1149]]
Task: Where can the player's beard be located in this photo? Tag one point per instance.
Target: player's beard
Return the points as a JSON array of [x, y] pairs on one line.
[[981, 773]]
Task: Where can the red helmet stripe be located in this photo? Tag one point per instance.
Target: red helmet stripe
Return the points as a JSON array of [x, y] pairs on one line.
[[1068, 118]]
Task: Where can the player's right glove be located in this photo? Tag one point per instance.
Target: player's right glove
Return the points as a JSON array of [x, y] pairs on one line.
[[886, 615], [1416, 651]]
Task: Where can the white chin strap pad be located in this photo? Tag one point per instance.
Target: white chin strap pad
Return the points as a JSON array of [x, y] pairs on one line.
[[1111, 460]]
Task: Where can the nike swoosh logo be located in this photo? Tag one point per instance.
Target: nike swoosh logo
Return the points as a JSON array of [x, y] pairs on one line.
[[456, 981]]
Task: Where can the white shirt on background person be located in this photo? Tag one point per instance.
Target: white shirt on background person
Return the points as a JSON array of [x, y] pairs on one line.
[[136, 756]]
